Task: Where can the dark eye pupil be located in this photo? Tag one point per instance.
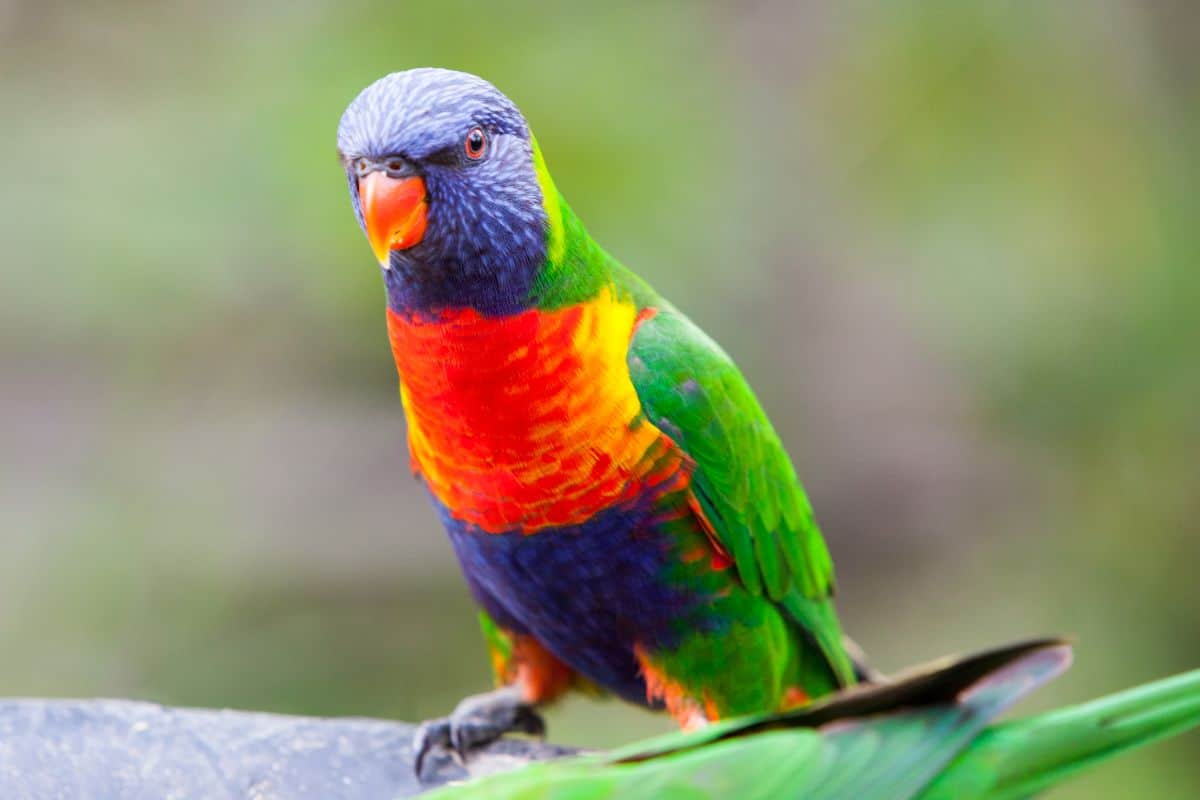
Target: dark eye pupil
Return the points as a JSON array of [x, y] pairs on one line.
[[395, 165], [475, 142]]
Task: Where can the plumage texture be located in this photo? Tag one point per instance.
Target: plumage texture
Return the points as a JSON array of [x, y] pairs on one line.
[[744, 482], [487, 222], [612, 487], [923, 738], [523, 421], [1021, 758]]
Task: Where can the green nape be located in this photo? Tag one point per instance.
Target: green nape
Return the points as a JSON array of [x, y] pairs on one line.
[[921, 739], [576, 267]]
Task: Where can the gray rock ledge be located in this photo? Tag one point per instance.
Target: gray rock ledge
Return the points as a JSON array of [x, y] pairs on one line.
[[77, 749]]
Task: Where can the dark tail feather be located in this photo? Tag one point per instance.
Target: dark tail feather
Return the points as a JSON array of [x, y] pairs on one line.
[[944, 682]]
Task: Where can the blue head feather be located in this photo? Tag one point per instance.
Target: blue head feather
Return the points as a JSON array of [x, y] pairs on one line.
[[485, 237]]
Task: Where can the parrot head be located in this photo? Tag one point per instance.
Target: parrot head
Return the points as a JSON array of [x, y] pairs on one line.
[[442, 176]]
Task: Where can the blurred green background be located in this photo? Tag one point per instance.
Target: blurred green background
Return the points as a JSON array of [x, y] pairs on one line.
[[954, 245]]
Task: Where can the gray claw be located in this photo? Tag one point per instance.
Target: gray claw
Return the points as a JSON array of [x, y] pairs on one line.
[[431, 736], [477, 721]]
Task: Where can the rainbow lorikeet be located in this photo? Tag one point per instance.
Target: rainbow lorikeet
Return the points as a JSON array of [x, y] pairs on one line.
[[624, 514], [929, 736]]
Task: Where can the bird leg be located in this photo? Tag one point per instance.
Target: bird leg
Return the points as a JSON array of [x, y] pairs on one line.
[[476, 721]]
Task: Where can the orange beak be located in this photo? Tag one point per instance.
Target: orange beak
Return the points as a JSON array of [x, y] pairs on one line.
[[394, 210]]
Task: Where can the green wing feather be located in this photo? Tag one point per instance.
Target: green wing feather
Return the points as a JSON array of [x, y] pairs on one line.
[[920, 738], [744, 481], [1021, 758], [883, 743]]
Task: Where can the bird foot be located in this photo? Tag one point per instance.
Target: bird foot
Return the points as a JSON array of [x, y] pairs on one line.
[[476, 721]]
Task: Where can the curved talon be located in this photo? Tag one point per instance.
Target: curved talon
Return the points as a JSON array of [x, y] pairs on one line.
[[476, 721], [430, 735]]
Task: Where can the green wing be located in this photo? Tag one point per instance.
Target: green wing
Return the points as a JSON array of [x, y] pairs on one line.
[[885, 743], [744, 481], [921, 738], [875, 762], [1021, 758]]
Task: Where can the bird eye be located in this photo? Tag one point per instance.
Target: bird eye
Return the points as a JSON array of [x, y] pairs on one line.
[[395, 165], [476, 144], [362, 166]]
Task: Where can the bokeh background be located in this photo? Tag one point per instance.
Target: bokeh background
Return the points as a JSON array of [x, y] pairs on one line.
[[954, 245]]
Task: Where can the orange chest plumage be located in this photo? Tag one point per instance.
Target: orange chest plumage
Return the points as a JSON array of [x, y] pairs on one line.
[[528, 421]]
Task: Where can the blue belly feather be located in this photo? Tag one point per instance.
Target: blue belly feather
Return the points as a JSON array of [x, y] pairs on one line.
[[587, 592]]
